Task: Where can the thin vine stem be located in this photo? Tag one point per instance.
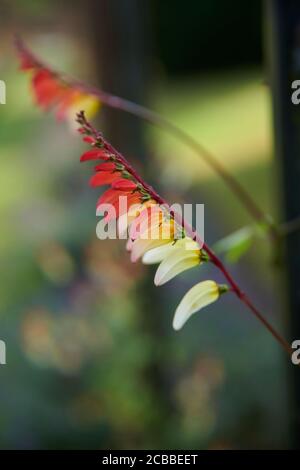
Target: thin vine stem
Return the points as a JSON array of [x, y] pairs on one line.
[[189, 230], [157, 120]]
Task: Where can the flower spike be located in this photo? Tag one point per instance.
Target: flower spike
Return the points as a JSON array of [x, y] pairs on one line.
[[152, 227], [67, 96], [52, 90], [158, 242]]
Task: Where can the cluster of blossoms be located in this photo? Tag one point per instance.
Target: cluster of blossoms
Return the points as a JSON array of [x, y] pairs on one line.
[[155, 234], [52, 91], [152, 231]]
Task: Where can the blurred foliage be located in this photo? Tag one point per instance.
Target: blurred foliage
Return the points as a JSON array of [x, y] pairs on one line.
[[235, 245], [79, 356]]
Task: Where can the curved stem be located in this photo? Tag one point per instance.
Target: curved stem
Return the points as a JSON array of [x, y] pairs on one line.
[[237, 291], [156, 119], [192, 234]]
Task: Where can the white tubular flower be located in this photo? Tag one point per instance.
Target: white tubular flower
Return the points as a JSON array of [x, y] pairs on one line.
[[199, 296], [156, 255], [139, 247], [178, 260]]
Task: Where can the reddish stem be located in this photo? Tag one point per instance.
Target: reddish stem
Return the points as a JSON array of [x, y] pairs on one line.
[[191, 233], [156, 119]]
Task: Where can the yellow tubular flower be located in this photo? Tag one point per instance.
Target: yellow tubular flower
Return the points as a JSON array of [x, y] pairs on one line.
[[150, 224], [136, 209], [197, 297], [125, 220], [89, 103], [158, 232]]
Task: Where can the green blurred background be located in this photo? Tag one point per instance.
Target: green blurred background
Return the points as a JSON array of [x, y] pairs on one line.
[[92, 360]]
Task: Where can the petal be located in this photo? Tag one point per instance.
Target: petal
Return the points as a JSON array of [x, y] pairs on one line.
[[124, 184], [70, 96], [94, 154], [156, 255], [47, 89], [152, 223], [107, 166], [120, 209], [135, 211], [160, 232], [88, 103], [163, 231], [89, 139], [110, 196], [197, 297], [148, 219], [125, 220], [175, 263], [140, 246], [102, 178]]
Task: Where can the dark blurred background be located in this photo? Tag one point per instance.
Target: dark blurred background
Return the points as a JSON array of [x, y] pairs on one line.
[[92, 360]]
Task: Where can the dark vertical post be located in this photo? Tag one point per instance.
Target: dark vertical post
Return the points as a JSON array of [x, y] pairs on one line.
[[283, 27], [121, 35]]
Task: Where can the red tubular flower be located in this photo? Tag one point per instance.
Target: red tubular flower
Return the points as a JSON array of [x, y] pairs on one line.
[[95, 154], [104, 177], [112, 196], [46, 89], [124, 184], [113, 173], [107, 166], [89, 140]]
